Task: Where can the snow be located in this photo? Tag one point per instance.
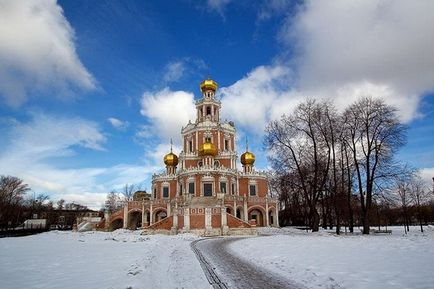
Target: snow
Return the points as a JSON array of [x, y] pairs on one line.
[[125, 259], [121, 259], [325, 260]]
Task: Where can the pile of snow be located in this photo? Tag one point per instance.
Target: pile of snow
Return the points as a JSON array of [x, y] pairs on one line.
[[325, 260], [120, 259]]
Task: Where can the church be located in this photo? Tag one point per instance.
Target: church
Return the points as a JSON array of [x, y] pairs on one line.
[[202, 191]]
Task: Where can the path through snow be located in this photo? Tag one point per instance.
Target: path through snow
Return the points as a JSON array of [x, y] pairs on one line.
[[236, 272]]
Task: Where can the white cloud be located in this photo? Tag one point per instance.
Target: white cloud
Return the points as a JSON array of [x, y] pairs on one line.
[[37, 52], [427, 175], [377, 47], [263, 94], [174, 71], [117, 123], [344, 50], [34, 148], [167, 112]]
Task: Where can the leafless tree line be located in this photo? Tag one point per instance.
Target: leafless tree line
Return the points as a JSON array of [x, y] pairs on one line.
[[331, 167], [18, 203], [115, 200]]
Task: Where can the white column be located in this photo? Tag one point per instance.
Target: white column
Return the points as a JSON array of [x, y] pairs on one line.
[[126, 216], [277, 214], [267, 221], [168, 209], [174, 228], [246, 216], [143, 214], [186, 219], [218, 140], [208, 224], [224, 221], [151, 215]]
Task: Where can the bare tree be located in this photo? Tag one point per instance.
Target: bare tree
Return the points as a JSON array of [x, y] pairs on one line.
[[420, 195], [113, 202], [60, 204], [373, 135], [401, 194], [297, 143], [12, 191], [128, 191]]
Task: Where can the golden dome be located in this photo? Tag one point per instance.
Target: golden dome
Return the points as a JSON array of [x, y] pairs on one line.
[[207, 149], [247, 158], [208, 84], [171, 159]]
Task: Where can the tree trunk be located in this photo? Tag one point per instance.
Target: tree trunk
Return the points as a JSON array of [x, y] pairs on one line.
[[365, 222], [314, 220]]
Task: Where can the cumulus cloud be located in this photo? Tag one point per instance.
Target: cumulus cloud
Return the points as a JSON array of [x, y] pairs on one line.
[[167, 111], [343, 50], [37, 52], [252, 100], [377, 47], [118, 124], [34, 148]]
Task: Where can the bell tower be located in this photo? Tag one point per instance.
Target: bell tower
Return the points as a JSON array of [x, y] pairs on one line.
[[208, 108]]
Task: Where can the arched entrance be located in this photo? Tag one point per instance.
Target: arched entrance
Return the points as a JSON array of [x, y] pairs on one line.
[[257, 215], [117, 224], [229, 210], [159, 215], [135, 220], [272, 220], [240, 213], [147, 218]]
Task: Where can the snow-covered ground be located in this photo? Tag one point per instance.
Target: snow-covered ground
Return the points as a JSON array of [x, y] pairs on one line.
[[324, 260], [125, 259], [121, 259]]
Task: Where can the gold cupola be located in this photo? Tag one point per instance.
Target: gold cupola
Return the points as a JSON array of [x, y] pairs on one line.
[[171, 160], [208, 84], [248, 158], [207, 149]]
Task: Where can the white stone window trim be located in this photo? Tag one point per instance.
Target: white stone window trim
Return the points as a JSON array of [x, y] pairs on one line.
[[202, 192], [256, 189], [165, 185], [194, 187]]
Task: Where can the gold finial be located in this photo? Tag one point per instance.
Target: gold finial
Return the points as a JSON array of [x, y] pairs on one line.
[[171, 159], [247, 158], [208, 84]]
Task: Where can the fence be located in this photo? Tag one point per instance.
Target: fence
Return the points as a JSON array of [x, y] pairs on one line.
[[23, 230]]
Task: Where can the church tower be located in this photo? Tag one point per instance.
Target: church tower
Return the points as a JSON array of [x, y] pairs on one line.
[[201, 190]]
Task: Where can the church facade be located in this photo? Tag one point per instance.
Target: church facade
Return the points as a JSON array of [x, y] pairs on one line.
[[201, 190]]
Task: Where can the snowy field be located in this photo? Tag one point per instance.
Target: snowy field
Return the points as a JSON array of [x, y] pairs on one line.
[[121, 259], [324, 260], [125, 259]]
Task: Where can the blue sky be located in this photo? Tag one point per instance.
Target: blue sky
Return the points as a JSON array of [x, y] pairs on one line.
[[92, 91]]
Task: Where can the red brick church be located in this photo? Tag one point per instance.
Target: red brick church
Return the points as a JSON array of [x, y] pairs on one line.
[[202, 191]]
